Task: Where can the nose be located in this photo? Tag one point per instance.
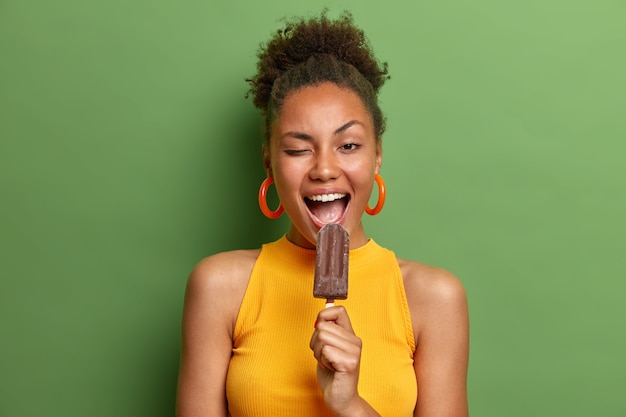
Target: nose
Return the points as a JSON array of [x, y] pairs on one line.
[[325, 166]]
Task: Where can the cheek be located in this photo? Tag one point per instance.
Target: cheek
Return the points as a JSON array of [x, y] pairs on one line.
[[362, 178], [362, 170], [288, 181]]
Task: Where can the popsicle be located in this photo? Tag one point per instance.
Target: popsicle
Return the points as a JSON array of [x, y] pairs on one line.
[[331, 263]]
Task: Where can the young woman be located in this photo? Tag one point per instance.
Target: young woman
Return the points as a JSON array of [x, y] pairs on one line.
[[255, 340]]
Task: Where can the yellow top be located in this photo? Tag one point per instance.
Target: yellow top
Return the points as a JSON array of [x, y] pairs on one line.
[[273, 372]]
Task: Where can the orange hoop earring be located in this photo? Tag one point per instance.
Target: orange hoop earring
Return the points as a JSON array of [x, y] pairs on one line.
[[382, 195], [263, 200]]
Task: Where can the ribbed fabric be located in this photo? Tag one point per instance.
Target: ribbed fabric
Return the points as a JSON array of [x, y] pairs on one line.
[[272, 371]]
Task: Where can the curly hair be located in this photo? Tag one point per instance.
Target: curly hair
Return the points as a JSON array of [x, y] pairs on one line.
[[313, 51]]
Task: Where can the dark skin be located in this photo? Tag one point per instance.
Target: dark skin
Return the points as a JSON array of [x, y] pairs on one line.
[[335, 162]]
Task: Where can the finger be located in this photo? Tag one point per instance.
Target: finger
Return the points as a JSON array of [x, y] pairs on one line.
[[337, 314], [336, 338], [345, 342], [339, 360], [333, 324], [330, 333], [314, 338]]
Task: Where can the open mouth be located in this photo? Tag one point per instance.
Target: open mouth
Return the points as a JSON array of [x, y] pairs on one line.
[[327, 208]]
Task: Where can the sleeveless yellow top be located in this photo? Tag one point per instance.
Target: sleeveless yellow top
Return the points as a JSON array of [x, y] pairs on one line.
[[272, 371]]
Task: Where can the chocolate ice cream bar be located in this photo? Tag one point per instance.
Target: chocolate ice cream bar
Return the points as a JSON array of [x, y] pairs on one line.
[[331, 263]]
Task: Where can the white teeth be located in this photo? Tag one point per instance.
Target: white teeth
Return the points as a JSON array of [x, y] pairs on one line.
[[326, 197]]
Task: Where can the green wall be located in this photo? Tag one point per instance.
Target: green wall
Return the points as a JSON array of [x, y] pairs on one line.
[[128, 153]]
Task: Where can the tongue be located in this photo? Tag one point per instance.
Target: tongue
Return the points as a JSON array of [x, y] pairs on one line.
[[329, 212]]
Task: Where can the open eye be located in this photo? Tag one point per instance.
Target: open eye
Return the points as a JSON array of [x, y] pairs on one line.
[[350, 147]]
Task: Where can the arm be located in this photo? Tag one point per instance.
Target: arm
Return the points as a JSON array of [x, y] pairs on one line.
[[439, 311], [212, 299]]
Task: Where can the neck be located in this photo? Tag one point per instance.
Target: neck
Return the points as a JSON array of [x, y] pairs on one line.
[[357, 237]]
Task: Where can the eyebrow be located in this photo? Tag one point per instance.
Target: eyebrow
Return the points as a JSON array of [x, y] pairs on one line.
[[305, 136], [347, 126]]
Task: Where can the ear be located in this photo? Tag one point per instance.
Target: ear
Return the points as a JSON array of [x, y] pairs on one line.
[[379, 156], [267, 160]]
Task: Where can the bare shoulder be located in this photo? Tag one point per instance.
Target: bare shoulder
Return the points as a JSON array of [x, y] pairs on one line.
[[218, 283], [225, 269], [215, 289], [433, 294], [429, 283]]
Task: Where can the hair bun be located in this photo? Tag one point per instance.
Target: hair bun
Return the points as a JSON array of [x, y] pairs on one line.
[[301, 39]]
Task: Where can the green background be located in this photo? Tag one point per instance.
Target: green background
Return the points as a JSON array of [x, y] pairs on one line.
[[128, 152]]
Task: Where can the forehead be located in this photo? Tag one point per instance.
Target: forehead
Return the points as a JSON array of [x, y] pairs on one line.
[[325, 103]]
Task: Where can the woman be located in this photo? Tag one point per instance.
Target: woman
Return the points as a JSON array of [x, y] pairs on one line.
[[255, 341]]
